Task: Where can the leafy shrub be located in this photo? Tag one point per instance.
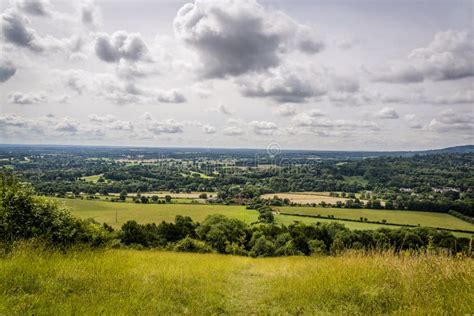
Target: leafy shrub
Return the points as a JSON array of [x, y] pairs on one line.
[[192, 245], [23, 216]]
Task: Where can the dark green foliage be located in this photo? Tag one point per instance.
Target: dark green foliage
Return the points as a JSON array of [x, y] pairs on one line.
[[25, 216]]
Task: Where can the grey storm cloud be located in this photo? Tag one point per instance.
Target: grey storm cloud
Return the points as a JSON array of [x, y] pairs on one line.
[[7, 70], [15, 31], [121, 45], [284, 85], [237, 37]]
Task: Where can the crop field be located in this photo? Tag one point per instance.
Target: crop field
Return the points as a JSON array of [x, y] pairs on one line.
[[431, 219], [306, 197], [124, 282]]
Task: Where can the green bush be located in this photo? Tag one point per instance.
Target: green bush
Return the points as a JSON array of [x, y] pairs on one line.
[[189, 244], [25, 216]]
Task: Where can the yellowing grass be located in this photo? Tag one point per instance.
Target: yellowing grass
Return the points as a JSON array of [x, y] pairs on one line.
[[124, 282]]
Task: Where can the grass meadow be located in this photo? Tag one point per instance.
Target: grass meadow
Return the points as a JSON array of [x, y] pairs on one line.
[[431, 219], [116, 214], [124, 282]]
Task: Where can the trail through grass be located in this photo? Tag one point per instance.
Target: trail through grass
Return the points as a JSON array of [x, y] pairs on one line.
[[124, 282]]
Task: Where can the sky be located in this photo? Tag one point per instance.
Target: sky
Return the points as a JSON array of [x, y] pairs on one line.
[[297, 74]]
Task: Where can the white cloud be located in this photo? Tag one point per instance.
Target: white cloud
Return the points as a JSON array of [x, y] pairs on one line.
[[102, 119], [233, 131], [450, 120], [449, 56], [208, 129], [26, 98], [284, 85], [387, 113], [286, 110], [168, 126], [263, 127]]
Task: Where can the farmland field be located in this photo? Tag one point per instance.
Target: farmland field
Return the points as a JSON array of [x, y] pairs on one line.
[[103, 211], [124, 282], [431, 219], [307, 197], [116, 214], [93, 178]]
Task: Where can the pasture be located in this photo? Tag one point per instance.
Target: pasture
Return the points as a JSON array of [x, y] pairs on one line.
[[93, 178], [116, 213], [124, 282], [430, 219]]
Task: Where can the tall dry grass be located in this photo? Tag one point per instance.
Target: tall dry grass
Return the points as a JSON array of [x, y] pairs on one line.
[[123, 282]]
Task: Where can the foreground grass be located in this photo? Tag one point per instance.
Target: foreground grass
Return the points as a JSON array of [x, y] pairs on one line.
[[153, 282]]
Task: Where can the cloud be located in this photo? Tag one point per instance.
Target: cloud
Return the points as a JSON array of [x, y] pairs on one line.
[[285, 110], [284, 85], [449, 56], [305, 121], [387, 113], [233, 131], [208, 129], [90, 14], [237, 37], [35, 7], [412, 121], [118, 125], [263, 127], [67, 125], [7, 70], [348, 43], [168, 126], [170, 96], [398, 73], [121, 45], [459, 97], [452, 121], [102, 119], [26, 98]]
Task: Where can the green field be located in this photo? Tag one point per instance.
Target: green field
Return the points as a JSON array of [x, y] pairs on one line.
[[116, 214], [93, 178], [430, 219], [104, 211], [130, 282]]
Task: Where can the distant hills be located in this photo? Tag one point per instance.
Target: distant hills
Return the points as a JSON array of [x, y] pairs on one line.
[[7, 150]]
